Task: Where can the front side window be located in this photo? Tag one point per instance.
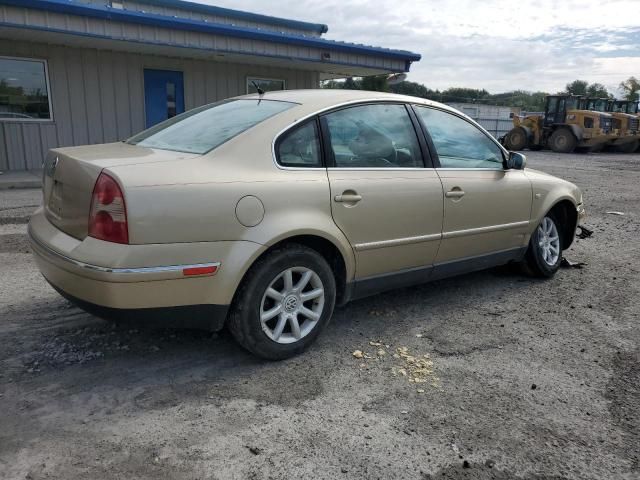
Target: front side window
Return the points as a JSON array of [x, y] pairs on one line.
[[460, 144], [24, 93], [373, 136], [203, 129], [300, 147], [265, 84]]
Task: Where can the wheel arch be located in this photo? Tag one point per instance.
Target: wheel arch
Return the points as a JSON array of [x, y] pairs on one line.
[[340, 259], [566, 212]]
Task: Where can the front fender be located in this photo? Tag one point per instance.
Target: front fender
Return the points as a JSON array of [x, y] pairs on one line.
[[549, 191]]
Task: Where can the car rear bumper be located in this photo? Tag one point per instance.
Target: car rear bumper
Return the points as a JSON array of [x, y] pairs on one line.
[[133, 283], [201, 317]]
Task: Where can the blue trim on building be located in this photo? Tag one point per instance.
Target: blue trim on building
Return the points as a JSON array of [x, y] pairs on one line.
[[95, 11], [238, 14], [189, 47]]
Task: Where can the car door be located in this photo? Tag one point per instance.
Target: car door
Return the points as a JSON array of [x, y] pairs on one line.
[[487, 208], [383, 198]]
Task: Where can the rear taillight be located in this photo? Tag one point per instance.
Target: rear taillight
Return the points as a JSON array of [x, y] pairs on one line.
[[108, 214]]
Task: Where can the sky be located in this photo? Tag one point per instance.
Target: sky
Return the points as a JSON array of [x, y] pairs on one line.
[[498, 45]]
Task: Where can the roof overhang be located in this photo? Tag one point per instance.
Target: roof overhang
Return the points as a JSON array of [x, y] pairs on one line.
[[327, 70]]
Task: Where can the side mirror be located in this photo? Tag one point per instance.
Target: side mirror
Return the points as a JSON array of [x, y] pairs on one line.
[[516, 161]]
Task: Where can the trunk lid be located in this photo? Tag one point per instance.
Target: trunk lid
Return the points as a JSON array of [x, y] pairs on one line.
[[71, 173]]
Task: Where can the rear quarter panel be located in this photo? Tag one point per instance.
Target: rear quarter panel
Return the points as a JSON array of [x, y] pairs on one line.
[[195, 200]]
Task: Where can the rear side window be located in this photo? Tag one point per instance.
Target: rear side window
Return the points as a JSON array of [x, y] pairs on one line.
[[300, 147], [374, 136], [203, 129], [459, 143]]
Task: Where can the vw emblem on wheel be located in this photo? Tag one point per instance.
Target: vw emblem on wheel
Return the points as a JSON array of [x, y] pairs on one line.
[[290, 303]]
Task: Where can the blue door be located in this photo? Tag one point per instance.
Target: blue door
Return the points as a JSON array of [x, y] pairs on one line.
[[163, 95]]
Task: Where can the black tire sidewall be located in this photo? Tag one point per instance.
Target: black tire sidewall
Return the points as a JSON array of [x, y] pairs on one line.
[[571, 144], [534, 258], [510, 143], [629, 147], [245, 322]]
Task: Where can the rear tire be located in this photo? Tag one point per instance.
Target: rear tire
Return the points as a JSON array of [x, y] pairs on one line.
[[563, 141], [283, 304], [627, 147], [544, 254], [516, 139]]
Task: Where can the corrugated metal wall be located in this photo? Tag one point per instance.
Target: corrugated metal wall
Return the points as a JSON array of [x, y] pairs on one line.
[[98, 96]]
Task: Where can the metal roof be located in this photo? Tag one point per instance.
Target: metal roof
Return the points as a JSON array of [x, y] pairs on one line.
[[239, 14], [143, 18]]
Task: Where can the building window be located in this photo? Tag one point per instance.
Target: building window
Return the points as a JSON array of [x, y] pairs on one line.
[[266, 84], [24, 90]]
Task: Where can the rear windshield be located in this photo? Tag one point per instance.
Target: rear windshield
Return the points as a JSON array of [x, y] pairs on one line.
[[203, 129]]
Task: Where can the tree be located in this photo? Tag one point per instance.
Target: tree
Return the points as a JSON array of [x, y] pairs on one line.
[[412, 88], [351, 84], [631, 89], [597, 90], [376, 83], [467, 95], [577, 87]]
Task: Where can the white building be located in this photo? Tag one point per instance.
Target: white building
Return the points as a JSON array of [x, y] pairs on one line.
[[495, 119]]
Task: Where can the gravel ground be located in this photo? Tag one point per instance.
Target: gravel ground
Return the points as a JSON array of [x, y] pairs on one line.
[[518, 378]]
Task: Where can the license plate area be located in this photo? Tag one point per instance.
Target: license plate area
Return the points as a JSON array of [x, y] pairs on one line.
[[55, 199]]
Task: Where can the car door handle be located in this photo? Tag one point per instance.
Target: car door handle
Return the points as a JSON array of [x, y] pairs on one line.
[[454, 193], [348, 198]]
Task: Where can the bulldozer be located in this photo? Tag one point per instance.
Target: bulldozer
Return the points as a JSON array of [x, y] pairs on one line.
[[562, 127], [624, 125]]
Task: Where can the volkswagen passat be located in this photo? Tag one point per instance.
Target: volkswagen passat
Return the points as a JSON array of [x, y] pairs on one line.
[[263, 212]]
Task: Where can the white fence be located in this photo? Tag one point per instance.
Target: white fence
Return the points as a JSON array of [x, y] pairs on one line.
[[496, 126]]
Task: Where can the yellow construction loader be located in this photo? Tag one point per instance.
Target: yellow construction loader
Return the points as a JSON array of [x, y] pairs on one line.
[[629, 108], [623, 124], [562, 127]]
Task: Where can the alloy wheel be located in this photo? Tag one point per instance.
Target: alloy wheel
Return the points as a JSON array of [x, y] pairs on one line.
[[292, 305], [549, 241]]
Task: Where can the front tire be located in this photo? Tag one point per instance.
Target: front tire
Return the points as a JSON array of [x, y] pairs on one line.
[[563, 141], [285, 301], [629, 147], [544, 254], [516, 139]]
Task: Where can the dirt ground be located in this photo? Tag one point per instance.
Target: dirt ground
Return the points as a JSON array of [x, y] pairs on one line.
[[519, 379]]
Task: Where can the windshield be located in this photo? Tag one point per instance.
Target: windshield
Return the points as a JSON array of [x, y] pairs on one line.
[[202, 129], [572, 103]]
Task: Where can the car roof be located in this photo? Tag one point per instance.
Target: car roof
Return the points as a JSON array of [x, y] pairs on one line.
[[323, 98]]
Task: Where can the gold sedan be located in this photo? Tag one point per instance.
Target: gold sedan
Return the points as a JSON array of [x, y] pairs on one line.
[[263, 212]]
